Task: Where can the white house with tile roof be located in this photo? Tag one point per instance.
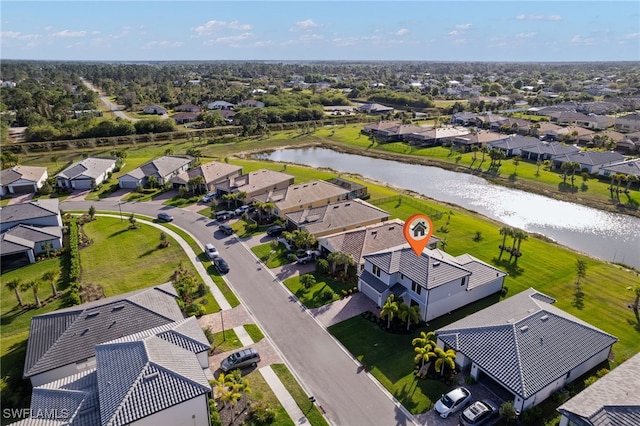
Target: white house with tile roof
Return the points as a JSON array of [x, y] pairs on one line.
[[256, 184], [435, 281], [304, 195], [156, 377], [527, 346], [212, 173], [87, 173], [590, 161], [612, 400], [62, 343], [22, 179], [163, 169]]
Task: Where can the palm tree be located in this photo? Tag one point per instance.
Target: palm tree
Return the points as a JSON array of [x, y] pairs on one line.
[[303, 238], [630, 179], [444, 358], [484, 150], [410, 314], [195, 184], [505, 231], [518, 235], [33, 285], [566, 168], [333, 258], [636, 302], [50, 277], [240, 197], [16, 286], [268, 207], [574, 167], [475, 150], [389, 309], [516, 161], [425, 339], [227, 198], [423, 355], [522, 236]]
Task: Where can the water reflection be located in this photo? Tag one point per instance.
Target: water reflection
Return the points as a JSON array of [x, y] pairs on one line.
[[605, 235]]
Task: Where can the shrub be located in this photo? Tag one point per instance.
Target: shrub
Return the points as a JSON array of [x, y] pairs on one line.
[[328, 294], [508, 412], [590, 380], [214, 415], [195, 309], [602, 372], [559, 397], [532, 415], [469, 380], [209, 334], [504, 290], [262, 414], [202, 290], [307, 281], [322, 265]]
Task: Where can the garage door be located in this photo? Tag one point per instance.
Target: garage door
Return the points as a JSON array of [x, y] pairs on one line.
[[82, 184], [127, 184], [23, 189], [369, 292]]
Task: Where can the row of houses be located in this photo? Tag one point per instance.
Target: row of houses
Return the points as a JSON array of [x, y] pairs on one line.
[[92, 365]]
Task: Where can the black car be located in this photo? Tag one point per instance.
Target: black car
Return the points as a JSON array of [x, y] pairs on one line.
[[275, 230], [221, 265], [225, 229], [166, 217]]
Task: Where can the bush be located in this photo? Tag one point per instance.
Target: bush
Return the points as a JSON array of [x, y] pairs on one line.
[[469, 380], [328, 294], [559, 397], [322, 265], [262, 414], [602, 372], [202, 290], [508, 412], [209, 334], [504, 290], [195, 309], [590, 380], [532, 415]]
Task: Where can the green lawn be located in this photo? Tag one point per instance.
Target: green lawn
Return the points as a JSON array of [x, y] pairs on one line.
[[261, 391], [316, 295], [299, 395], [270, 256], [254, 332], [225, 341]]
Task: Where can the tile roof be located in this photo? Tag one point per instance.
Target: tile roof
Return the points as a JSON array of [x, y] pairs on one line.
[[591, 157], [612, 400], [212, 172], [307, 193], [522, 341], [551, 148], [631, 167], [8, 176], [32, 210], [68, 335], [21, 236], [142, 377], [515, 142], [257, 181], [163, 166], [91, 167], [337, 216]]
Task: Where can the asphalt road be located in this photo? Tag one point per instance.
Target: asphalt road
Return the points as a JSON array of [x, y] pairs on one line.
[[347, 395], [113, 107]]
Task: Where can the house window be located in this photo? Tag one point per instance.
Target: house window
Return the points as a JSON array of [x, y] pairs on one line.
[[416, 288], [401, 276], [376, 271], [568, 374]]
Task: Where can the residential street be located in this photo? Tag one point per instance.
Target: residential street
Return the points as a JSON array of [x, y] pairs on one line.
[[347, 394]]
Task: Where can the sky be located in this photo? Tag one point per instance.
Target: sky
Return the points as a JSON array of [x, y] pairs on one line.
[[502, 31]]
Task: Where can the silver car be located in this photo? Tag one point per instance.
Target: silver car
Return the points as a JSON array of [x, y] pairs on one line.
[[452, 401]]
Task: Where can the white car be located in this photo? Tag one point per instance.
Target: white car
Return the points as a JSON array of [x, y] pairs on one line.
[[241, 210], [452, 401], [208, 197], [211, 251]]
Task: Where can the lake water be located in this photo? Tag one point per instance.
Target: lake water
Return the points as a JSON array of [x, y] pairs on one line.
[[604, 235]]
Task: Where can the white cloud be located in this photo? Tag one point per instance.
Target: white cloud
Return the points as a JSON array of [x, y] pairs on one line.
[[67, 33], [579, 40], [344, 42], [95, 32], [401, 32], [454, 33], [463, 26], [307, 37], [526, 35], [164, 44], [632, 36], [214, 26], [9, 34], [233, 39], [537, 17], [304, 25]]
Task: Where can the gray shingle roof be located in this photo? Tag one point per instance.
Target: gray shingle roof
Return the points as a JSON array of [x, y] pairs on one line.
[[591, 157], [31, 210], [69, 335], [612, 400], [91, 167], [514, 142], [631, 167], [8, 176], [523, 341], [309, 192]]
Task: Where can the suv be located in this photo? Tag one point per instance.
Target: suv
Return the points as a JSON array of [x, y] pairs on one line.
[[225, 229], [244, 358], [224, 215], [479, 413], [275, 230], [208, 197], [308, 256], [165, 217], [241, 210], [211, 251], [221, 265]]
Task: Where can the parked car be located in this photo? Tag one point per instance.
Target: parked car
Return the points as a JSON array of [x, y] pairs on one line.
[[221, 265], [165, 217], [275, 230], [241, 210], [225, 229], [452, 401], [479, 413], [211, 251], [208, 197], [244, 358], [308, 256], [224, 215]]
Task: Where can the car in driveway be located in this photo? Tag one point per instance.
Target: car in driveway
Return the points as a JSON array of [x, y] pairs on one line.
[[275, 230], [208, 197], [224, 215], [221, 265], [452, 401], [249, 357], [479, 413], [211, 251], [165, 217], [307, 257], [225, 229], [242, 210]]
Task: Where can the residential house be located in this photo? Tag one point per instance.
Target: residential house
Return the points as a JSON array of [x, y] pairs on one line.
[[162, 169], [435, 281], [545, 150], [513, 144], [464, 118], [380, 128], [568, 118], [542, 128], [601, 139], [397, 133], [220, 105], [436, 136], [154, 109], [336, 217], [255, 184], [355, 189], [368, 239], [188, 108], [22, 180], [227, 115], [185, 117], [511, 125], [596, 122], [303, 196], [478, 138], [611, 400], [590, 161], [87, 173], [374, 109], [576, 134], [627, 168], [43, 212], [630, 143], [212, 174], [485, 121], [628, 123], [158, 376], [251, 103], [62, 343], [526, 347]]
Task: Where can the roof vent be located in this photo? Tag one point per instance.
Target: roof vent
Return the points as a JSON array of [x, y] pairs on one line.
[[544, 317], [151, 376], [85, 331], [524, 328], [93, 314], [436, 263], [117, 308]]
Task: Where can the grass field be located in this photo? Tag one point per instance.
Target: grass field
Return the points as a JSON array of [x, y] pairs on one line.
[[272, 257], [316, 295]]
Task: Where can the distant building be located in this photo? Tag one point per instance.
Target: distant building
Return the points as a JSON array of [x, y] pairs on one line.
[[162, 169], [22, 179]]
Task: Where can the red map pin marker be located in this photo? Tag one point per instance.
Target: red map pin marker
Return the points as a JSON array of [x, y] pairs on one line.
[[417, 230]]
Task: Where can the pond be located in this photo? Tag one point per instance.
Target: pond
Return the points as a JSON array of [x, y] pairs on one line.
[[604, 235]]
